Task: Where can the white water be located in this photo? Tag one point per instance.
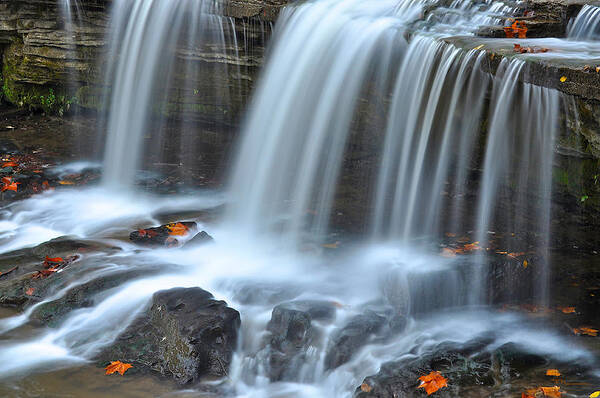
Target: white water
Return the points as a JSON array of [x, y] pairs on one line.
[[586, 26], [145, 39], [289, 162]]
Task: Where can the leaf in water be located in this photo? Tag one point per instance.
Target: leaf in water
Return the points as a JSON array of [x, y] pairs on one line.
[[117, 366], [177, 229], [331, 245], [447, 252], [563, 79], [553, 372], [433, 382]]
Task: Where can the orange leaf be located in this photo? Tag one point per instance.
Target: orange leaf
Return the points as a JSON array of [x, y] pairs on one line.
[[177, 229], [65, 182], [117, 366], [586, 330], [10, 187], [553, 392], [30, 291], [9, 271], [54, 259], [9, 164], [6, 180], [433, 382], [365, 387], [567, 310], [553, 372], [509, 32]]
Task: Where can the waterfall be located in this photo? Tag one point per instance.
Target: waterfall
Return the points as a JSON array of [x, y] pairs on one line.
[[586, 25], [154, 42]]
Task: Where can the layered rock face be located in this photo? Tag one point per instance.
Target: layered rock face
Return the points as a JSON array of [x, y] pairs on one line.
[[52, 61]]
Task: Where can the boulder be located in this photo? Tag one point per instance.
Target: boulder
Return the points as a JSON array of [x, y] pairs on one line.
[[186, 335]]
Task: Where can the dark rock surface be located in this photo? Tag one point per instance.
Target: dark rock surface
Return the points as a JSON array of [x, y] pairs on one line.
[[185, 334], [292, 333], [359, 331]]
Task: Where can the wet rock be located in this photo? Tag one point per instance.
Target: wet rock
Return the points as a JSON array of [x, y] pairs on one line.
[[14, 286], [358, 332], [200, 238], [185, 334], [292, 334], [165, 235], [401, 378]]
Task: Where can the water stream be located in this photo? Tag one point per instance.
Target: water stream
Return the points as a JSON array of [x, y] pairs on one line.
[[462, 152]]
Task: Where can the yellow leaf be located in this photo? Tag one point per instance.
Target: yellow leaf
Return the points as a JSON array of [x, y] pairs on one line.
[[552, 372], [331, 245], [525, 264], [177, 229], [567, 310], [563, 79], [117, 366], [595, 394], [479, 47]]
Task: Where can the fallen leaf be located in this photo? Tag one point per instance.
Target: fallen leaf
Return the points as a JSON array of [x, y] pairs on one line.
[[508, 31], [117, 366], [365, 387], [433, 382], [585, 330], [595, 394], [567, 310], [66, 182], [30, 291], [177, 229], [447, 252], [479, 47], [331, 245], [525, 264], [54, 259], [9, 164], [553, 372], [597, 69], [553, 392], [10, 187], [563, 79]]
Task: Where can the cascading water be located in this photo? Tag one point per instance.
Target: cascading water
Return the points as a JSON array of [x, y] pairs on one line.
[[459, 147], [155, 43], [586, 25]]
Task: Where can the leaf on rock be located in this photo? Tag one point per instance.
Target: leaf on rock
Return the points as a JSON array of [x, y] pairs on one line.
[[30, 291], [586, 331], [117, 366], [53, 260], [365, 387], [553, 372], [66, 182], [567, 310], [9, 271], [563, 79], [525, 264], [595, 394], [433, 382], [10, 187], [552, 392], [9, 164], [177, 229], [331, 245]]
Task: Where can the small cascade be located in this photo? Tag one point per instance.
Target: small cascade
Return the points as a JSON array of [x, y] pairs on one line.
[[168, 55], [586, 26]]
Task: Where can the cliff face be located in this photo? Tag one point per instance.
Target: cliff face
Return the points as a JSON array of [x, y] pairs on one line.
[[51, 62]]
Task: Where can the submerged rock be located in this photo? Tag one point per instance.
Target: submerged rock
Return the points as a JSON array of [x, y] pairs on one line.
[[200, 238], [185, 334]]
